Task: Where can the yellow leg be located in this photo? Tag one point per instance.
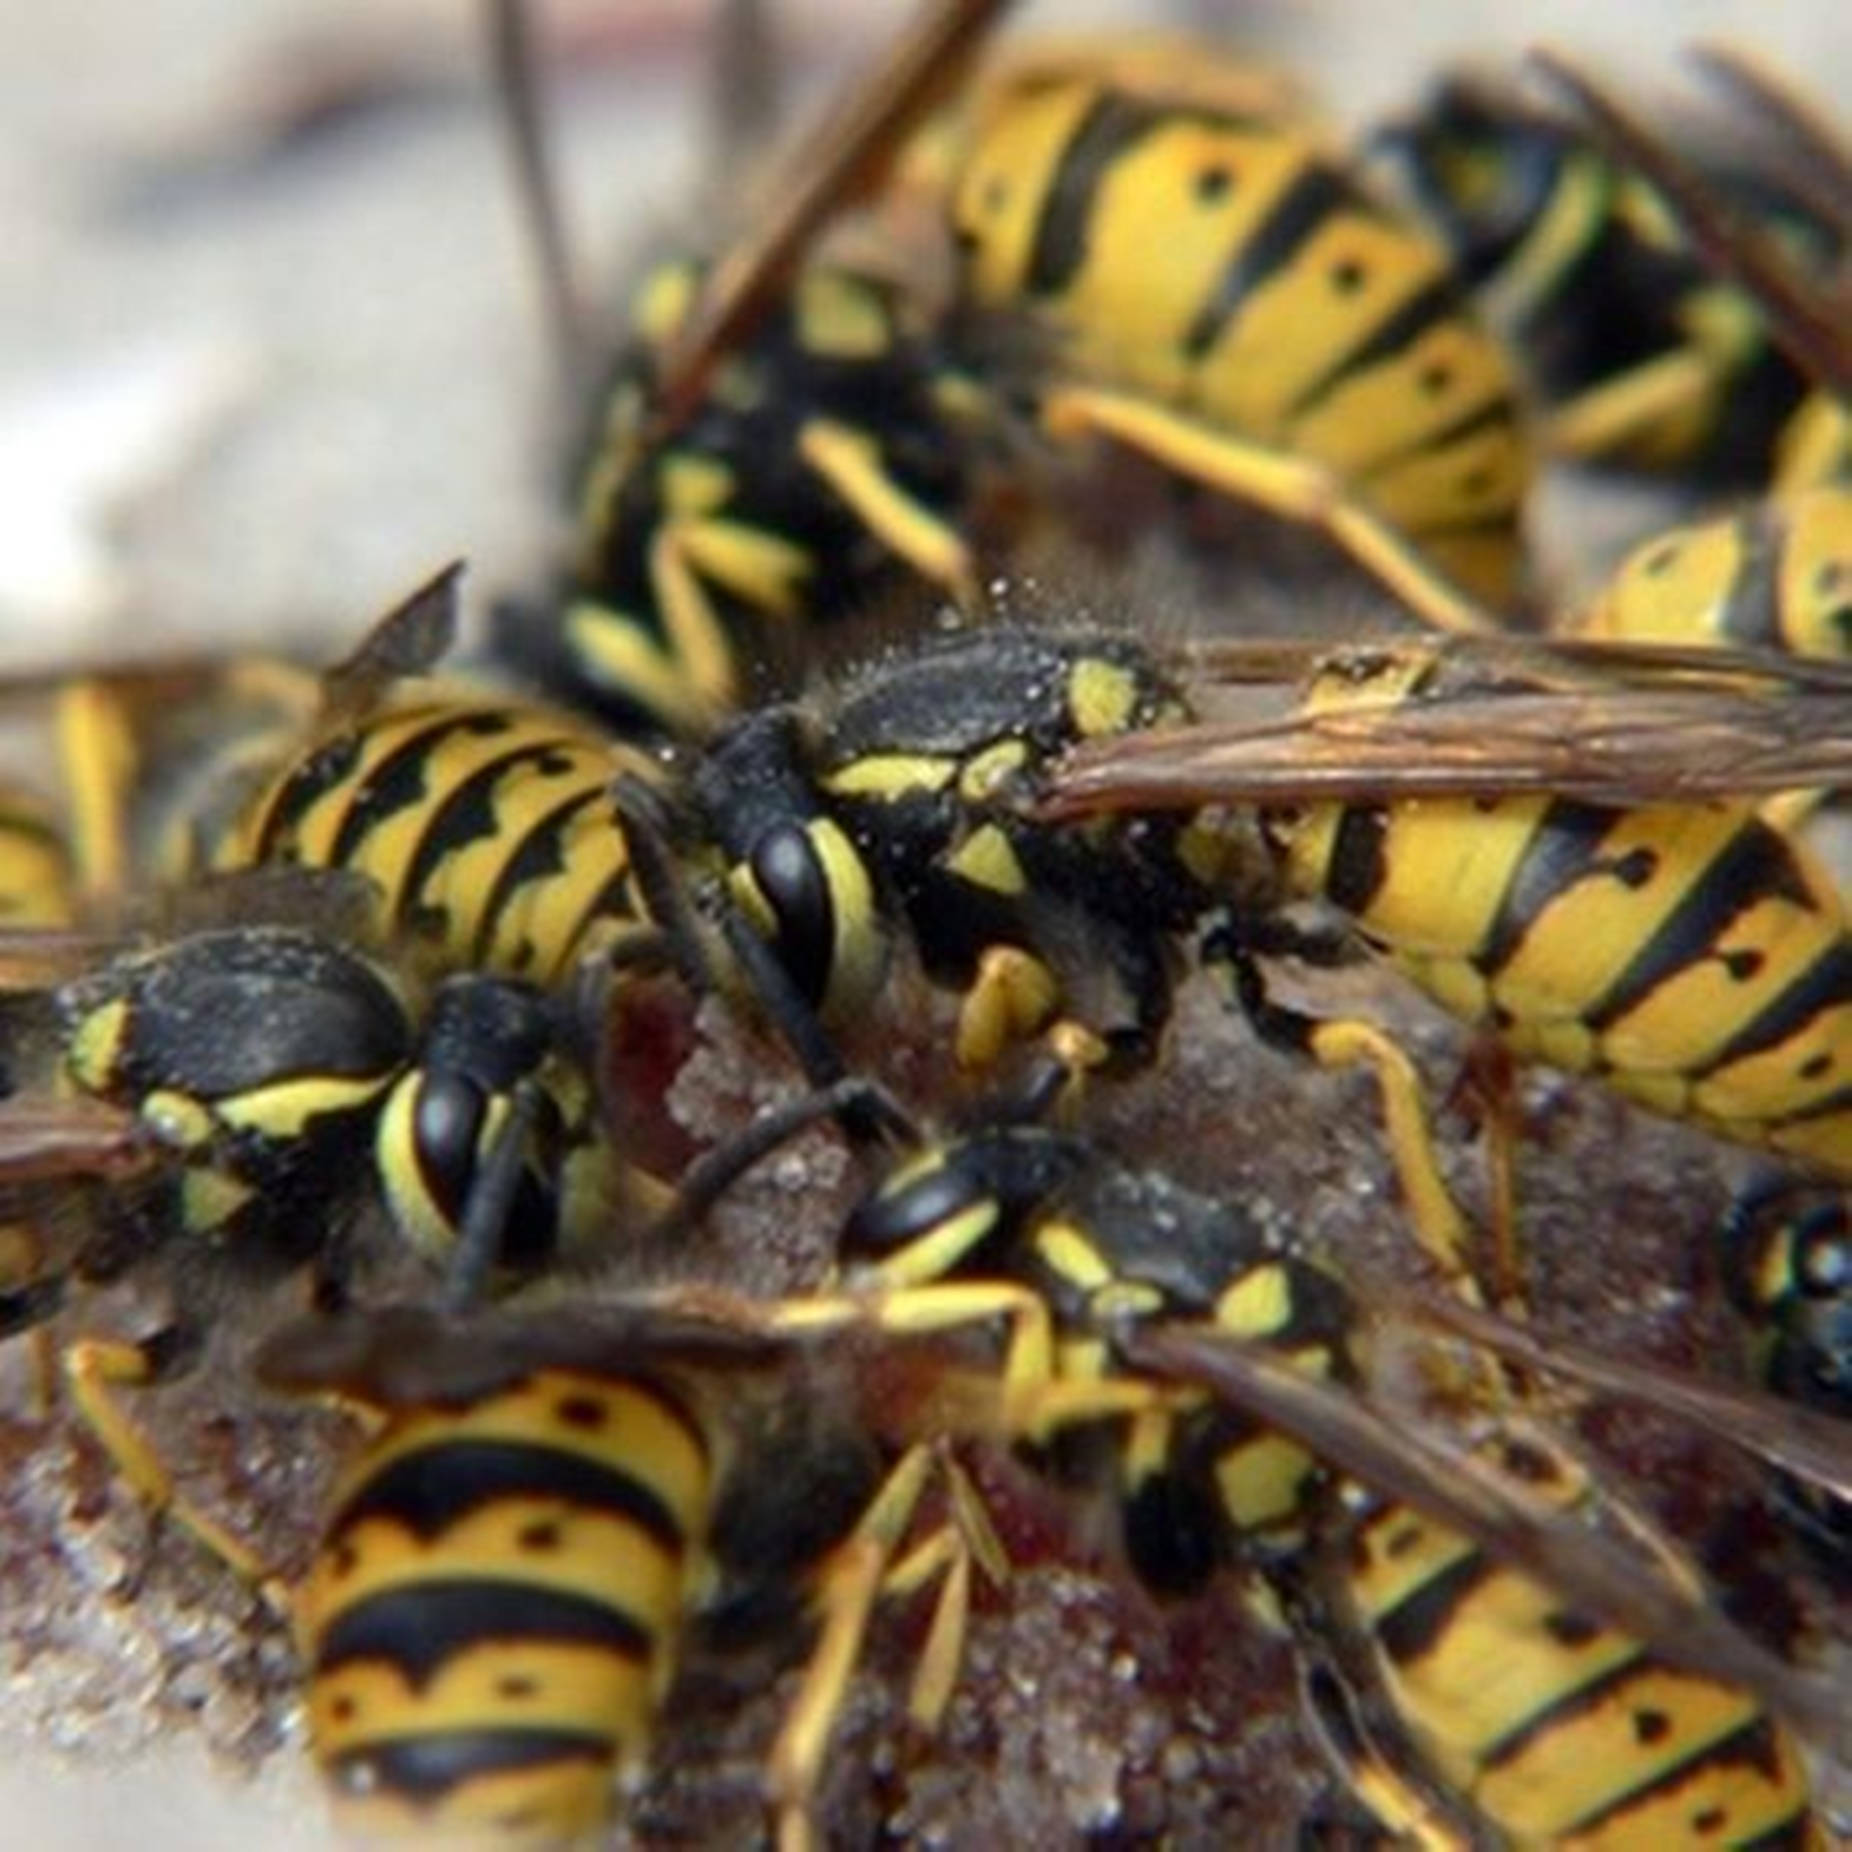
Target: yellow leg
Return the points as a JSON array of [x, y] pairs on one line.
[[948, 1555], [1621, 416], [1291, 488], [1396, 1802], [698, 641], [1439, 1226], [1816, 446], [850, 462], [1011, 998], [1490, 1085], [869, 1567], [93, 1368], [97, 760]]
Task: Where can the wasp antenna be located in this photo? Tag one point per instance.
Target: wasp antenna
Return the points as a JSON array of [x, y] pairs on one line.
[[480, 1237], [746, 94], [1819, 151], [514, 68], [852, 1100]]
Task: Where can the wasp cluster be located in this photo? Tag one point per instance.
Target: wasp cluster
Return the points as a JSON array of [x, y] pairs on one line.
[[1084, 1707]]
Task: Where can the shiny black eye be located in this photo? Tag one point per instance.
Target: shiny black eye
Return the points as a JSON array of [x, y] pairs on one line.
[[893, 1219], [791, 878], [446, 1126]]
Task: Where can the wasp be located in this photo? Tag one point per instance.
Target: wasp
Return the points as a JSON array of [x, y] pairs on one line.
[[1770, 575], [230, 1103], [1569, 892], [551, 1508], [1646, 357], [146, 763], [1313, 359], [1787, 1262], [1304, 347], [481, 822], [825, 456], [1467, 1687], [38, 881], [1125, 1295], [1521, 827]]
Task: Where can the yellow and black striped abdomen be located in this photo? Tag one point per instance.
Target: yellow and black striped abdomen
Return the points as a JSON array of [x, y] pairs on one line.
[[1228, 267], [493, 1616], [1559, 1729], [1691, 956], [486, 824], [1776, 576]]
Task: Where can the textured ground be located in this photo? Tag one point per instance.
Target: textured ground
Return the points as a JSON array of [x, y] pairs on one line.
[[254, 384]]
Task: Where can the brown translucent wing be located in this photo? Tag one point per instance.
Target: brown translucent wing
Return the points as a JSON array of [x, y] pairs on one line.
[[1812, 1446], [40, 958], [1493, 717], [1815, 153], [838, 161], [1446, 1481], [58, 1141], [409, 640], [399, 1356], [1810, 316]]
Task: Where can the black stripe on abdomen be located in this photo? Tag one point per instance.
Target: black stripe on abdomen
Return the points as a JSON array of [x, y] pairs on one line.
[[421, 1626]]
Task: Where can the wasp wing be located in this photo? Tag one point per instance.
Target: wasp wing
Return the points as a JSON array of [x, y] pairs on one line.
[[1813, 1446], [395, 1356], [59, 1141], [842, 158], [1447, 1482], [1474, 717], [1807, 315]]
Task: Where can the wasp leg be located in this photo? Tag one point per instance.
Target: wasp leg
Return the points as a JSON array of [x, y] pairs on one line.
[[621, 654], [967, 1538], [1345, 1041], [1815, 448], [861, 1571], [850, 462], [1291, 488], [97, 761], [94, 1368], [1661, 395], [1489, 1084], [1012, 997], [1391, 1796]]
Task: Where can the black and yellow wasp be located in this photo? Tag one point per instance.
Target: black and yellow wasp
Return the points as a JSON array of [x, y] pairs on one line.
[[1222, 293], [219, 1105], [1645, 355], [1550, 841], [1787, 1262], [554, 1509], [1213, 1376], [1304, 351], [825, 454], [1773, 574]]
